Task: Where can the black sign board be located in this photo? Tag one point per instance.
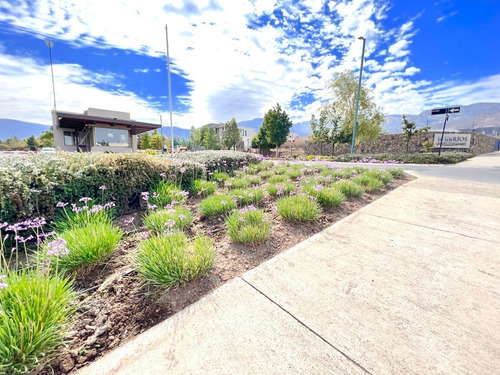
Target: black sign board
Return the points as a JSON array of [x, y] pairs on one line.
[[442, 111], [438, 111]]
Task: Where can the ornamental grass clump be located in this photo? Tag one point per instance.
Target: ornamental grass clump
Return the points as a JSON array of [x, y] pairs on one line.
[[298, 208], [247, 196], [80, 216], [167, 220], [383, 176], [330, 197], [293, 174], [172, 259], [165, 193], [217, 204], [350, 188], [220, 178], [34, 316], [396, 172], [369, 183], [237, 183], [80, 249], [248, 225], [283, 188], [255, 180], [277, 179], [203, 188]]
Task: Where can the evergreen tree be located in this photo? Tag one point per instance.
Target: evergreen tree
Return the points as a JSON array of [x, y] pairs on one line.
[[210, 139], [231, 134], [31, 141], [409, 130], [277, 125]]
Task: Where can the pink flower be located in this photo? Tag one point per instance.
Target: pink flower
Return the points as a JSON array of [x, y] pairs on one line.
[[182, 170], [85, 199], [61, 204], [102, 187]]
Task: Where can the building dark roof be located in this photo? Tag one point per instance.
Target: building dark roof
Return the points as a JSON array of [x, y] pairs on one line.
[[78, 122]]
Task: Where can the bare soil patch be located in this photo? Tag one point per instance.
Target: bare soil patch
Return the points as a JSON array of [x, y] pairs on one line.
[[115, 305]]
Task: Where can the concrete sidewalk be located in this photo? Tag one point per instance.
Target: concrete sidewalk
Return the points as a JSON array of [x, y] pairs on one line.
[[407, 285]]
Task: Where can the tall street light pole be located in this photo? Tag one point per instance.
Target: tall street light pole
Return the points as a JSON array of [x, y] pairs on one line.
[[357, 100], [50, 44], [169, 92]]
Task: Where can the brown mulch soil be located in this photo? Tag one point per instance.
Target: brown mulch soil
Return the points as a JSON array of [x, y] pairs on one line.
[[115, 305]]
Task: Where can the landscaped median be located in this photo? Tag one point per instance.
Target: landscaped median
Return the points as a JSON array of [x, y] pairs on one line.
[[199, 225]]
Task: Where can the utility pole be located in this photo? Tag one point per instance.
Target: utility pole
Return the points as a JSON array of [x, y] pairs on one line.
[[50, 44], [169, 92], [357, 100]]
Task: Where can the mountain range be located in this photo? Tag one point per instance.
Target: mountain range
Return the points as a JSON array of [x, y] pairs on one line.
[[474, 116]]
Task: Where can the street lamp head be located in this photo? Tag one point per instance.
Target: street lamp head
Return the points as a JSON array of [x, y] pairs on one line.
[[361, 38]]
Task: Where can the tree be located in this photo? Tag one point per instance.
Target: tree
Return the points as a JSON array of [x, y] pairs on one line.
[[210, 139], [409, 130], [277, 125], [144, 141], [344, 88], [195, 138], [328, 128], [31, 141], [261, 141], [46, 139], [231, 134]]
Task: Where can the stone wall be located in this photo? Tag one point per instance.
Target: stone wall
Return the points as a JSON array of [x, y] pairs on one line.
[[393, 143]]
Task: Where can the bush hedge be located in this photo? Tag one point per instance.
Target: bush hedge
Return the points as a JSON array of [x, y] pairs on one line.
[[421, 158], [31, 185], [217, 161]]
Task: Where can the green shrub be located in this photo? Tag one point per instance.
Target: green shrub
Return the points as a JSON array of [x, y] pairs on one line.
[[34, 315], [167, 220], [349, 188], [247, 196], [172, 259], [293, 174], [248, 226], [370, 183], [32, 185], [203, 188], [383, 176], [237, 183], [81, 249], [298, 208], [217, 204], [283, 188], [218, 161]]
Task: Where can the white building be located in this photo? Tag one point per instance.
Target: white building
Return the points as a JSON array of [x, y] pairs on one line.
[[247, 134], [97, 130]]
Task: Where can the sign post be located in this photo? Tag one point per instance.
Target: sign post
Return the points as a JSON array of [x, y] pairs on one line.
[[444, 111]]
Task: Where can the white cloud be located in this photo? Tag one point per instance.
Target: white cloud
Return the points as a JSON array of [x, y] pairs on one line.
[[233, 70]]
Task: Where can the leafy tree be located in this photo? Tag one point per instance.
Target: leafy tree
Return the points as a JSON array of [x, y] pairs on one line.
[[344, 87], [210, 139], [409, 130], [195, 138], [231, 134], [261, 140], [277, 125], [31, 141], [144, 141], [328, 128], [155, 141], [46, 139]]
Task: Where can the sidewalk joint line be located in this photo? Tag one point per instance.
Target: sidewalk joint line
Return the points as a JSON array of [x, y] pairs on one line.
[[423, 226], [309, 328]]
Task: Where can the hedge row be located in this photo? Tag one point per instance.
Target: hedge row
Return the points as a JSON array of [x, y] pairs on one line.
[[217, 161], [31, 185], [421, 158]]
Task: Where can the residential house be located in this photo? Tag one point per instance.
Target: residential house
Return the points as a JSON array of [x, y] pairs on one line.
[[247, 134]]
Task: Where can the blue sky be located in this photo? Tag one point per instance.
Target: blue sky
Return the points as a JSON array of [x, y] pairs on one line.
[[238, 58]]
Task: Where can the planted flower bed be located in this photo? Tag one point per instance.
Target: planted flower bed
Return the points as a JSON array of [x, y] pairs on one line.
[[136, 270]]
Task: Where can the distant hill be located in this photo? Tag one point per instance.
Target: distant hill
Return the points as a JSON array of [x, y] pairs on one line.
[[23, 129], [477, 116]]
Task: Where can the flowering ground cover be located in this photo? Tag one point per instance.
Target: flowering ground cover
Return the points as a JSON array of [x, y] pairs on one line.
[[143, 267]]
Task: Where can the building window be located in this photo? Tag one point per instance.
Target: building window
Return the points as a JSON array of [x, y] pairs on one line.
[[110, 137], [68, 138]]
